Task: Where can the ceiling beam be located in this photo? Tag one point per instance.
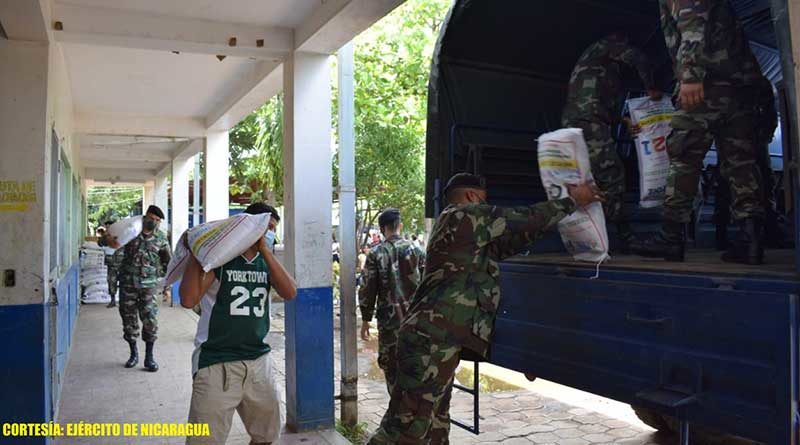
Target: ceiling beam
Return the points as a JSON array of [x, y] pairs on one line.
[[118, 124], [118, 175], [188, 149], [124, 153], [24, 19], [127, 165], [128, 29], [337, 22], [263, 81]]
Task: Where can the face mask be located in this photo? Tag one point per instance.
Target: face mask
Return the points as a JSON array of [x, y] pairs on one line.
[[149, 225], [270, 237]]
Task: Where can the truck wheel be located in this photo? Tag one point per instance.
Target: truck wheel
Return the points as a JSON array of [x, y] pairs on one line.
[[652, 419]]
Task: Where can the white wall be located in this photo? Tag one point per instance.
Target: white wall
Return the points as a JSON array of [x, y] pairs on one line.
[[23, 140]]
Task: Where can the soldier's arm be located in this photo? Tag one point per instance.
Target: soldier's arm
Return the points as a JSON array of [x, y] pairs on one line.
[[636, 59], [194, 283], [164, 254], [691, 17], [671, 37], [368, 293], [512, 229]]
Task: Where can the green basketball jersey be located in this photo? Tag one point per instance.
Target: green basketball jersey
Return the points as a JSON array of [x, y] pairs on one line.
[[235, 314]]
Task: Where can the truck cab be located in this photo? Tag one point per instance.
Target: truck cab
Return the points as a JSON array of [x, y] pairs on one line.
[[703, 342]]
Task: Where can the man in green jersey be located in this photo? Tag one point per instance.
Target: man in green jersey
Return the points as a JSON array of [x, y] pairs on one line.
[[231, 365]]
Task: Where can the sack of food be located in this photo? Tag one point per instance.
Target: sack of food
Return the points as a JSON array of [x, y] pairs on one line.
[[564, 159], [215, 243], [653, 118], [124, 231]]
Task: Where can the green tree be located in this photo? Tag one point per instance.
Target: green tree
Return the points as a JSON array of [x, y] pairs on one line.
[[113, 203], [256, 153], [392, 65]]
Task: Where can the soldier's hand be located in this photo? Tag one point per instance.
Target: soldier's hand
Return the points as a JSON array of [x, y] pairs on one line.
[[655, 94], [633, 129], [585, 194], [365, 331], [113, 243], [691, 95]]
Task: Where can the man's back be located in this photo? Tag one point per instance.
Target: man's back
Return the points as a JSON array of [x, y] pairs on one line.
[[392, 273]]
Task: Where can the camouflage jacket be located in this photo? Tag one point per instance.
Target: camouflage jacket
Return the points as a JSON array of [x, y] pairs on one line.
[[145, 261], [595, 85], [458, 297], [391, 275], [113, 261], [707, 43]]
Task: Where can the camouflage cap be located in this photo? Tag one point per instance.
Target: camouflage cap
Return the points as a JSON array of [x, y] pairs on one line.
[[465, 180]]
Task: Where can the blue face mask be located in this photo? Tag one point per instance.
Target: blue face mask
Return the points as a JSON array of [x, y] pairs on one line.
[[270, 237]]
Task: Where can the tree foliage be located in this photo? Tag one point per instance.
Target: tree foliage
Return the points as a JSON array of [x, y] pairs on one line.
[[256, 151], [113, 203], [392, 64]]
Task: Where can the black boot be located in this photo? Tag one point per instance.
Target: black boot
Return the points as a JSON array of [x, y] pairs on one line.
[[749, 246], [134, 358], [625, 236], [149, 362], [668, 243]]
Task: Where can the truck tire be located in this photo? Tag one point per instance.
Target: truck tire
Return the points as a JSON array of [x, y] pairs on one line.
[[652, 419]]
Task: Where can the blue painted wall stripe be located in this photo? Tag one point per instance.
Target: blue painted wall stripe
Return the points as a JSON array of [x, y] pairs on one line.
[[309, 360]]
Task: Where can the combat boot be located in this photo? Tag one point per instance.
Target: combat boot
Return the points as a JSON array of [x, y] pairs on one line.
[[749, 246], [149, 362], [668, 243], [625, 236], [134, 358]]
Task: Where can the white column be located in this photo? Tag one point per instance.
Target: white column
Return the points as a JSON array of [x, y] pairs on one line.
[[180, 197], [307, 225], [161, 196], [347, 238], [148, 197], [216, 184]]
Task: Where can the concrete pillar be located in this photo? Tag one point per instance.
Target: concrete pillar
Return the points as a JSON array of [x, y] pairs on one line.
[[161, 197], [180, 197], [307, 225], [216, 192], [148, 197], [25, 372], [347, 238]]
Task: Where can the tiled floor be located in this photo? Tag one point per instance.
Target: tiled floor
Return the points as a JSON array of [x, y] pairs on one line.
[[98, 389]]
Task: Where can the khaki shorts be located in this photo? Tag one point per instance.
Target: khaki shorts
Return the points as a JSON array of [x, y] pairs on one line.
[[245, 386]]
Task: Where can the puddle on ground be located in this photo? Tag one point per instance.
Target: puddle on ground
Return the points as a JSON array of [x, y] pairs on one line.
[[464, 377]]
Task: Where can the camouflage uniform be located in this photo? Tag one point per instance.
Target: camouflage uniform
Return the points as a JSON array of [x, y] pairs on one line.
[[454, 308], [145, 262], [391, 275], [113, 263], [594, 105], [707, 45]]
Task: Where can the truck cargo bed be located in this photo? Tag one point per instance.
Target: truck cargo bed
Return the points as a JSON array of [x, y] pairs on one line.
[[780, 263]]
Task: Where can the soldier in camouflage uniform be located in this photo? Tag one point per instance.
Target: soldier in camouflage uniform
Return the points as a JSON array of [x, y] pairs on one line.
[[717, 77], [455, 305], [391, 275], [113, 261], [595, 106], [145, 262]]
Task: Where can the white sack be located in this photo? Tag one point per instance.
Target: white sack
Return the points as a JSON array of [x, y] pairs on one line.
[[564, 159], [653, 119], [126, 229], [217, 242]]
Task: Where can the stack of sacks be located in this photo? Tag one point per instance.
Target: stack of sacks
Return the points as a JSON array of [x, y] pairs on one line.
[[94, 274]]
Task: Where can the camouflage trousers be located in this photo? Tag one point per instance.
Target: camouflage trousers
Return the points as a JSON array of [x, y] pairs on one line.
[[727, 121], [419, 409], [607, 167], [113, 280], [136, 304], [387, 356]]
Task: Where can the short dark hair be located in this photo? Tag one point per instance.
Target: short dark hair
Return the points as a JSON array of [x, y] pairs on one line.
[[258, 208], [390, 218], [108, 223], [414, 237]]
